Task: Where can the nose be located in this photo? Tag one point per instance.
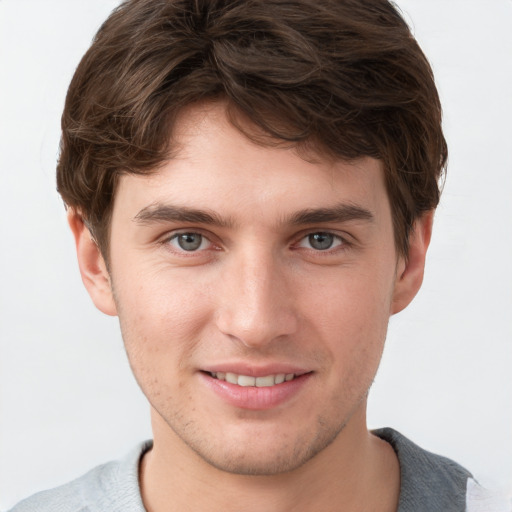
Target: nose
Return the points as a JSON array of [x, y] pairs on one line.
[[255, 306]]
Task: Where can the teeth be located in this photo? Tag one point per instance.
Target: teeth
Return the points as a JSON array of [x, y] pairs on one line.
[[280, 378], [265, 382], [245, 381], [259, 382], [231, 378]]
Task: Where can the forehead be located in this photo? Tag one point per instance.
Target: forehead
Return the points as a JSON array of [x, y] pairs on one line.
[[215, 166]]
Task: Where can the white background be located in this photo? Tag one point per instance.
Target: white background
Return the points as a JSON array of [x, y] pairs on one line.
[[67, 398]]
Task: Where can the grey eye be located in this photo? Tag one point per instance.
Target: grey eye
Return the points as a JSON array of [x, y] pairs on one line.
[[321, 241], [189, 241]]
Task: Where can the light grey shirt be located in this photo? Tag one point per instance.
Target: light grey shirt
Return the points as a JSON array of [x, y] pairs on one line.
[[429, 483]]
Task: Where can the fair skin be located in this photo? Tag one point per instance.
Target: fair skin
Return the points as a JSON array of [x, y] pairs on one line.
[[254, 262]]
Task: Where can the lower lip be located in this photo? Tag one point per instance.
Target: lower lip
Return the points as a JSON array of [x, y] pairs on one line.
[[254, 398]]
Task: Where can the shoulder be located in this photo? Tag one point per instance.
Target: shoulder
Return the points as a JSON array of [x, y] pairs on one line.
[[429, 482], [113, 486]]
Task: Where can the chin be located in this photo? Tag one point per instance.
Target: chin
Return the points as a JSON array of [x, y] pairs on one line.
[[264, 454]]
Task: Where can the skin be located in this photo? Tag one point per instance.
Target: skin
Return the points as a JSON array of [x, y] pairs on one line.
[[256, 293]]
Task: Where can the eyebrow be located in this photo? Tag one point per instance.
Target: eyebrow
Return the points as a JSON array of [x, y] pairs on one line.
[[338, 213], [170, 213]]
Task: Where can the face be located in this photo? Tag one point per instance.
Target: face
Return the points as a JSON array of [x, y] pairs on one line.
[[253, 289]]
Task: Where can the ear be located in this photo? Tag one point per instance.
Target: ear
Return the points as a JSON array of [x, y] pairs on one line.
[[410, 271], [92, 265]]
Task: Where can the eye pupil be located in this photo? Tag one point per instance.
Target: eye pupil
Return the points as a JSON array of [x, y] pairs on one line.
[[190, 241], [321, 241]]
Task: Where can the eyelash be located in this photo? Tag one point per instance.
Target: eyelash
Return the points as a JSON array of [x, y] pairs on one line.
[[175, 237], [339, 243]]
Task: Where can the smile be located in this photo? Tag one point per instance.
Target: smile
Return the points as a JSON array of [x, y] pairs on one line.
[[248, 381], [256, 392]]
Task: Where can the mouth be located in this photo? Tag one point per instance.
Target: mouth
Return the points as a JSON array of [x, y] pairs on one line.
[[249, 381], [263, 390]]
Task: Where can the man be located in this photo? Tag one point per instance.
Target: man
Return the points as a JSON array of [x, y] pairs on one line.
[[251, 187]]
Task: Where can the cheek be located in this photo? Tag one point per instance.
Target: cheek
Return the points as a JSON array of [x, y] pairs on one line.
[[354, 301], [160, 324], [351, 314], [160, 316]]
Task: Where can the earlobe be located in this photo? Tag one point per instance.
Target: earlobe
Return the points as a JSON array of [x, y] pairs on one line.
[[92, 265], [410, 272]]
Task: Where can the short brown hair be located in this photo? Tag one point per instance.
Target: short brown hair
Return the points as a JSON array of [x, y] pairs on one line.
[[343, 76]]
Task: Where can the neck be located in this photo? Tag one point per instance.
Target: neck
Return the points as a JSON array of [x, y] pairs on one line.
[[357, 471]]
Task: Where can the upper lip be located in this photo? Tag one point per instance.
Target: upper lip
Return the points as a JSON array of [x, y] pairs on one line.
[[254, 370]]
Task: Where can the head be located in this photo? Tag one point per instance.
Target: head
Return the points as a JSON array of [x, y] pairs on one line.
[[338, 79], [258, 178]]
